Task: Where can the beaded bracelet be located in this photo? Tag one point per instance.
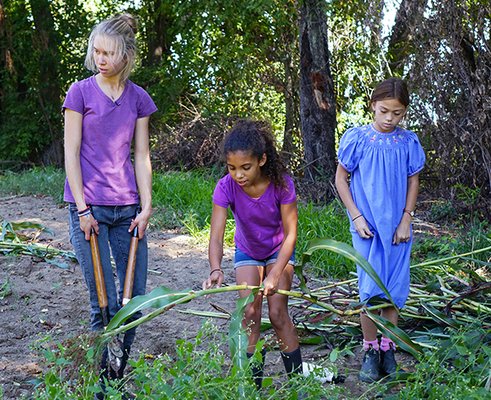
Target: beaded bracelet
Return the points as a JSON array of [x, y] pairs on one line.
[[356, 217]]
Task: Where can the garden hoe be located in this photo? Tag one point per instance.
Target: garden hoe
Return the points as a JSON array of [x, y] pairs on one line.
[[115, 346]]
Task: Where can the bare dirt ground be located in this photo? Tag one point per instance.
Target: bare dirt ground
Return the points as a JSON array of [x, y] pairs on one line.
[[48, 302]]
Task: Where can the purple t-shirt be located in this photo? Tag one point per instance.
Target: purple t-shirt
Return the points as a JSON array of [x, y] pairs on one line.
[[259, 229], [108, 128]]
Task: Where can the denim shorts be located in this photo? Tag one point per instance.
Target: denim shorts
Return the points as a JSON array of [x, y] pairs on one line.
[[242, 259]]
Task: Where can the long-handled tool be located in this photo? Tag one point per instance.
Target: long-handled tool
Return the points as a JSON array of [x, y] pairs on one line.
[[99, 278], [130, 268], [115, 346]]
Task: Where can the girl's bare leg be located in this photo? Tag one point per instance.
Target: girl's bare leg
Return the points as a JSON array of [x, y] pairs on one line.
[[391, 314], [368, 328], [278, 312], [251, 275]]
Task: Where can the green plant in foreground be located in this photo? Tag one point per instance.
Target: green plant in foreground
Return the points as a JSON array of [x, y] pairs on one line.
[[12, 242], [459, 368], [200, 369]]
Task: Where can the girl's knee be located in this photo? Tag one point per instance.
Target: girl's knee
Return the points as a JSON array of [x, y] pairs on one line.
[[252, 313], [279, 317]]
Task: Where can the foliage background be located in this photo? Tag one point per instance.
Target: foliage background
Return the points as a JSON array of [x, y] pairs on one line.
[[208, 62]]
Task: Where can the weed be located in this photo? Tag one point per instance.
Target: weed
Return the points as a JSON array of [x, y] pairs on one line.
[[458, 369], [5, 289], [200, 370]]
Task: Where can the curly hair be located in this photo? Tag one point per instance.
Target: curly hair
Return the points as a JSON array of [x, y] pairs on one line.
[[257, 138]]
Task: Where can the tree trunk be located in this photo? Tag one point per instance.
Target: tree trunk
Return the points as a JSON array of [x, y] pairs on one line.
[[158, 37], [290, 92], [317, 101], [400, 43], [4, 51], [46, 43]]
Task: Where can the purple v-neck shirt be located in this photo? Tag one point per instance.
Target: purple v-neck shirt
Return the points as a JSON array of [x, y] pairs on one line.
[[259, 229], [108, 128]]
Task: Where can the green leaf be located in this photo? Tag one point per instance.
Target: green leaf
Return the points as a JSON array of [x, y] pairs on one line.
[[157, 298], [59, 264], [237, 335], [30, 225], [345, 250], [237, 338], [439, 317], [399, 337]]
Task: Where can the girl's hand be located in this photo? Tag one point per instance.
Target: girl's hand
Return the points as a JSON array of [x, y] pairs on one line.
[[215, 279], [403, 232], [87, 223], [362, 228], [141, 220], [271, 284]]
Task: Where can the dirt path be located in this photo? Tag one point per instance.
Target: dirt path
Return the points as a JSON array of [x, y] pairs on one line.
[[50, 303]]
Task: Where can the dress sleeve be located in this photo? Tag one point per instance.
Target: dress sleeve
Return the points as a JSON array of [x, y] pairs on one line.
[[287, 194], [220, 194], [416, 155], [74, 99], [350, 150]]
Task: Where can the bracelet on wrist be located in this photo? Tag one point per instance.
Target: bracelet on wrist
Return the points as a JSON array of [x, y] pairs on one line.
[[358, 216], [84, 214], [84, 210], [216, 269], [411, 213]]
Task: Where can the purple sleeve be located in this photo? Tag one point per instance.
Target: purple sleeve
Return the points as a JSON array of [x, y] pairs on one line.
[[288, 194], [349, 151], [146, 106], [220, 195], [74, 99], [416, 155]]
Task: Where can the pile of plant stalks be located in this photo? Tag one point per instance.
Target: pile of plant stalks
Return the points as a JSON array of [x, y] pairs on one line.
[[14, 243]]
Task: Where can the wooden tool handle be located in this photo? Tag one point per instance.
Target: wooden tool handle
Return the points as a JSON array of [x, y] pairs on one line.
[[98, 273], [130, 268]]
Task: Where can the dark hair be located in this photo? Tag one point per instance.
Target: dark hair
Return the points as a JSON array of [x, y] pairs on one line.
[[256, 137], [392, 88]]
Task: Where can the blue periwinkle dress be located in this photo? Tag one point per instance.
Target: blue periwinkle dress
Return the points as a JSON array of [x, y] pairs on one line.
[[379, 165]]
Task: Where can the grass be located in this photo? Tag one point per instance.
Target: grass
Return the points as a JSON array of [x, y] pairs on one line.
[[36, 181]]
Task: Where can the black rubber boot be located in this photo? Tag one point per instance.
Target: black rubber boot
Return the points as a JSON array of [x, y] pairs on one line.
[[258, 369], [388, 363], [292, 362], [370, 368]]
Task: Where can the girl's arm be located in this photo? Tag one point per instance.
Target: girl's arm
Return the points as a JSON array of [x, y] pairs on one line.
[[289, 218], [73, 142], [358, 219], [215, 247], [143, 172], [403, 231]]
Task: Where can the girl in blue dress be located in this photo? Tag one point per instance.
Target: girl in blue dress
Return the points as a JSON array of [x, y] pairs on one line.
[[383, 162]]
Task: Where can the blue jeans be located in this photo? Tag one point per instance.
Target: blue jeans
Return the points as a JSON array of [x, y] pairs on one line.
[[241, 259], [113, 238]]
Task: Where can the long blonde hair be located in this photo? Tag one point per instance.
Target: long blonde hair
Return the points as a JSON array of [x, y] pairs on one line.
[[122, 29]]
